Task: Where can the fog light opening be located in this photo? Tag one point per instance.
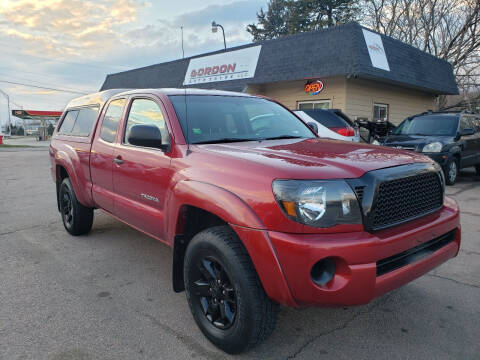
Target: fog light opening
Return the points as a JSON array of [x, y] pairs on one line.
[[323, 271]]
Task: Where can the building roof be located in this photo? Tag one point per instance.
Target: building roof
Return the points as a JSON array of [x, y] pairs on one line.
[[336, 51]]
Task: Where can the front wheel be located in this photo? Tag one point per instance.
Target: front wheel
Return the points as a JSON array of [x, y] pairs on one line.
[[451, 171], [77, 219], [224, 293]]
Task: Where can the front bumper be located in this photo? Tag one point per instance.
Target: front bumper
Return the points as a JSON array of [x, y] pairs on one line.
[[356, 256], [440, 158]]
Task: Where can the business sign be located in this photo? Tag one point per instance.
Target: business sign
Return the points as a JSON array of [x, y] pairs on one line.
[[232, 65], [376, 50], [314, 87]]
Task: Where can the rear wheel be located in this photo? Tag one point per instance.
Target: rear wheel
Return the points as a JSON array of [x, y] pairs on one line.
[[225, 295], [451, 171], [77, 219]]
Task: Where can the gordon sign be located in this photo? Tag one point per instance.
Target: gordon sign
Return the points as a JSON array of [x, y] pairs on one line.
[[232, 65]]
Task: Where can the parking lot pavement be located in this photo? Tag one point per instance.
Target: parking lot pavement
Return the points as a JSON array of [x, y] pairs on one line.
[[108, 295]]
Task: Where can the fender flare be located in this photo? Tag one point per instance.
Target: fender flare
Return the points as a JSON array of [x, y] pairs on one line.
[[214, 199], [64, 159]]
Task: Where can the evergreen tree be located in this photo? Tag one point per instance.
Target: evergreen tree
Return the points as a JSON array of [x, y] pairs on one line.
[[284, 17]]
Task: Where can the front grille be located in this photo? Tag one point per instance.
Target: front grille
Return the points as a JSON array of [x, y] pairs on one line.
[[406, 198], [414, 254]]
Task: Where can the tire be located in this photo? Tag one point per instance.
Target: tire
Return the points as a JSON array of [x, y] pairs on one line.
[[235, 314], [477, 169], [451, 171], [77, 219]]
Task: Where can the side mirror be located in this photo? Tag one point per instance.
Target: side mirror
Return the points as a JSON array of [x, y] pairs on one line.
[[313, 126], [467, 132], [146, 135]]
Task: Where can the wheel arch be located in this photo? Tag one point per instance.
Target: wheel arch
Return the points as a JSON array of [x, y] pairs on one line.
[[210, 205]]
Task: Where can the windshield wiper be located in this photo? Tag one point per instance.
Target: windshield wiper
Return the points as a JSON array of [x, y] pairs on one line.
[[222, 140], [282, 137]]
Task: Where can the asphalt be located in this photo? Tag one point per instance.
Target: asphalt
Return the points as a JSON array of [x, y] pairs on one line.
[[108, 295]]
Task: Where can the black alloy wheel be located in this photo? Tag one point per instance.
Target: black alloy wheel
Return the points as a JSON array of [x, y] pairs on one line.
[[77, 219], [67, 209], [224, 293], [213, 292]]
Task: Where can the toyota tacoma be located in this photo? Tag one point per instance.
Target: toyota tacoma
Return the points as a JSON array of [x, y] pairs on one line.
[[259, 211]]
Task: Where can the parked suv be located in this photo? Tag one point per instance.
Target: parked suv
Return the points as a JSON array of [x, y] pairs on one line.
[[257, 215], [451, 139]]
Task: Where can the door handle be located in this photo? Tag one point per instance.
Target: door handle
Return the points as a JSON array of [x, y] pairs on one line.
[[118, 160]]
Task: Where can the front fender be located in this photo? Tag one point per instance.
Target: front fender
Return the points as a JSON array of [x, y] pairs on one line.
[[244, 221], [216, 200]]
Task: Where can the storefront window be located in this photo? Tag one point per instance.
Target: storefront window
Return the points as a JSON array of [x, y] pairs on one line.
[[380, 112], [317, 104]]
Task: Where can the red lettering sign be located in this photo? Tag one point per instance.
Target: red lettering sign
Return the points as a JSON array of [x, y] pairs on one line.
[[213, 70]]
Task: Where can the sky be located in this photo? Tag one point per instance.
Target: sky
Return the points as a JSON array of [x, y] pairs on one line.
[[73, 44]]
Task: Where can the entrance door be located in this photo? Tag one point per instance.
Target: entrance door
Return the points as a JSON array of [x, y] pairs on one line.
[[315, 104], [141, 174]]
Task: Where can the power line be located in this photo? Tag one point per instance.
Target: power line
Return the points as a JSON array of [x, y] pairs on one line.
[[44, 87]]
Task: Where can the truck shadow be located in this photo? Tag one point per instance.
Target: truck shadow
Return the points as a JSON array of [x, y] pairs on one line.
[[402, 317]]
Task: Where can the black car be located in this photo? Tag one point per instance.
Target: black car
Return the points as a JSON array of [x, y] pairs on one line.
[[451, 139]]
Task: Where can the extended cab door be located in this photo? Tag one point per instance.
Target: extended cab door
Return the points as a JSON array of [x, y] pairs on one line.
[[101, 155], [141, 175]]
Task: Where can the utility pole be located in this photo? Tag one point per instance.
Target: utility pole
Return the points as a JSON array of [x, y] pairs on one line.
[[9, 123]]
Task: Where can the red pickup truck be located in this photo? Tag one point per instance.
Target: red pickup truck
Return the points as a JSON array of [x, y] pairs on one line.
[[259, 211]]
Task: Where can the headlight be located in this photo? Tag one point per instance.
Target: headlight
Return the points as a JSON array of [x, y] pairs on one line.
[[375, 142], [322, 203], [433, 147]]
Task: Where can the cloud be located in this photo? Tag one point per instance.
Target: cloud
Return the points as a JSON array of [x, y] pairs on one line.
[[236, 12], [73, 44]]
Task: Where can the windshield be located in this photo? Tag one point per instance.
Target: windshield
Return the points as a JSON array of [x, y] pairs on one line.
[[213, 119], [428, 125]]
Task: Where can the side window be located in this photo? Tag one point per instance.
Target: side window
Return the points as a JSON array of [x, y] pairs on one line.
[[467, 122], [476, 122], [111, 119], [146, 112], [68, 122], [85, 120]]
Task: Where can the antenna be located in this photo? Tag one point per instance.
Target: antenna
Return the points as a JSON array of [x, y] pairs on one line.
[[186, 122], [183, 50]]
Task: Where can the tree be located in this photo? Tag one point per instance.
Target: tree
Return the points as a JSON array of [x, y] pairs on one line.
[[284, 17], [448, 29]]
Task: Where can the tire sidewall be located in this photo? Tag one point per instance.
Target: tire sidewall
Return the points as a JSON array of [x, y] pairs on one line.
[[237, 334]]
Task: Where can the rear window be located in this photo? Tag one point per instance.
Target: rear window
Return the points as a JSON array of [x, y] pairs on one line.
[[79, 122], [68, 122], [327, 118]]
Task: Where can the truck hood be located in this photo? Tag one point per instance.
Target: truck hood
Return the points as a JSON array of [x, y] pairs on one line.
[[313, 158]]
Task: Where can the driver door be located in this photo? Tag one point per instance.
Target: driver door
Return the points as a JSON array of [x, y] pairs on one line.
[[141, 174]]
